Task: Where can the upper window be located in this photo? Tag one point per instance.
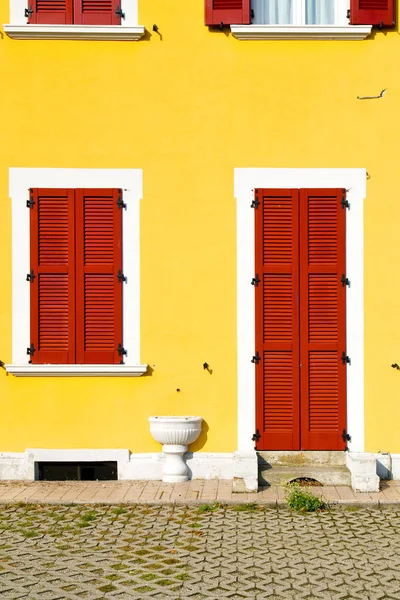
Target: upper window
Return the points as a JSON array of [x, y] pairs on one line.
[[78, 12], [299, 12]]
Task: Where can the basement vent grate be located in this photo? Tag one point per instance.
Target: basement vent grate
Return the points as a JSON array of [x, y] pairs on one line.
[[76, 471]]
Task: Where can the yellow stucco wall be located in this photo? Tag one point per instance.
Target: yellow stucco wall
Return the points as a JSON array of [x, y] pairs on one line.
[[187, 108]]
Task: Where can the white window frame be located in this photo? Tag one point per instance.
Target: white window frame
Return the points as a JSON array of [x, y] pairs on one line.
[[20, 180], [341, 29], [19, 29]]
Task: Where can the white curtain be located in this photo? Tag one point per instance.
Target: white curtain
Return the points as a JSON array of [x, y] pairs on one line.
[[273, 12], [320, 12]]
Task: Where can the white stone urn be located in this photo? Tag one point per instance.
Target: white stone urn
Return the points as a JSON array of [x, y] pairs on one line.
[[175, 434]]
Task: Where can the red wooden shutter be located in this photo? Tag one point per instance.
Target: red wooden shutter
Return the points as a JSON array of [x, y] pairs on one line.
[[277, 319], [97, 12], [52, 264], [373, 12], [322, 319], [98, 289], [47, 12], [228, 12]]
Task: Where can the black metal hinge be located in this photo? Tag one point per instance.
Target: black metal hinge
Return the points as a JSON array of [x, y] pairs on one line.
[[120, 202], [28, 12], [346, 436], [119, 13], [345, 203], [344, 280], [30, 276], [256, 358], [121, 276], [31, 351], [30, 203], [256, 436], [256, 202], [255, 281], [345, 359], [122, 352]]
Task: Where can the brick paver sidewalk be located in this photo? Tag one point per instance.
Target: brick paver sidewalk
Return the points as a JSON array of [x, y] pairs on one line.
[[195, 491]]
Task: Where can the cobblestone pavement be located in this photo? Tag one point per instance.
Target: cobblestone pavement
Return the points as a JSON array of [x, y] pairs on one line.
[[51, 552]]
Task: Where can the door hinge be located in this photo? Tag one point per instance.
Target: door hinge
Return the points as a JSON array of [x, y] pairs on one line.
[[255, 437], [345, 203], [120, 202], [31, 351], [345, 359], [256, 202], [30, 203], [256, 358], [121, 276], [345, 281], [30, 276], [346, 437], [122, 352], [28, 12], [255, 281], [119, 13]]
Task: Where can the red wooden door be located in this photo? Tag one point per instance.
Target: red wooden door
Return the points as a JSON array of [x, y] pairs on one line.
[[277, 318], [300, 319]]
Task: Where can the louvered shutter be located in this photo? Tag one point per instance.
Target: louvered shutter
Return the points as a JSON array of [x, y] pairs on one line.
[[277, 319], [98, 288], [322, 319], [47, 12], [52, 297], [373, 12], [97, 12], [228, 12]]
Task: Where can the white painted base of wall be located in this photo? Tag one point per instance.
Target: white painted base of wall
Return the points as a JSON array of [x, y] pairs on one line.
[[388, 465], [239, 466], [362, 467]]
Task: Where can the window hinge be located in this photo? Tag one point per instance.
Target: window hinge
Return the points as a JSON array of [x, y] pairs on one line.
[[345, 203], [121, 276], [256, 358], [122, 352], [256, 280], [30, 276], [256, 202], [31, 351], [120, 202], [345, 359], [30, 203], [346, 436], [119, 13], [345, 281], [348, 14], [28, 12], [255, 437]]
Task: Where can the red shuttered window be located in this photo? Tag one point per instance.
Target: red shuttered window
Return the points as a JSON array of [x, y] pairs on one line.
[[227, 12], [373, 12], [76, 276], [78, 12], [300, 307]]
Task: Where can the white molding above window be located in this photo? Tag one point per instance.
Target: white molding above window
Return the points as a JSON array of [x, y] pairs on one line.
[[74, 32], [20, 180], [301, 32], [76, 370]]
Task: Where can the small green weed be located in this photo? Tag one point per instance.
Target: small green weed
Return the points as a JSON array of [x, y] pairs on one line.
[[89, 516], [107, 588], [247, 507], [208, 507], [183, 577], [301, 500], [119, 510], [28, 533]]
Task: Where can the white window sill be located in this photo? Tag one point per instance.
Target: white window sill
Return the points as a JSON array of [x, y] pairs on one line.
[[74, 32], [76, 370], [304, 32]]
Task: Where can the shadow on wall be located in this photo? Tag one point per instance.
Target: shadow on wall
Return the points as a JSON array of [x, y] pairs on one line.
[[201, 440]]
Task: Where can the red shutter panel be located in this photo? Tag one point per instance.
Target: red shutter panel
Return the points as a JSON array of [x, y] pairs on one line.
[[47, 12], [373, 12], [97, 12], [98, 288], [277, 319], [322, 319], [52, 288], [228, 12]]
